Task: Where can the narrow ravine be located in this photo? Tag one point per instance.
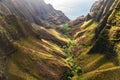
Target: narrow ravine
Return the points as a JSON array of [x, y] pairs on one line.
[[75, 69]]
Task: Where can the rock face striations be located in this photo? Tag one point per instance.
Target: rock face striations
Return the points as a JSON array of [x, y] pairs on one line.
[[36, 11], [100, 8]]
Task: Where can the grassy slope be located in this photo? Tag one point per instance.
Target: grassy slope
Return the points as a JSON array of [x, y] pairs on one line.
[[35, 58], [98, 66], [23, 64]]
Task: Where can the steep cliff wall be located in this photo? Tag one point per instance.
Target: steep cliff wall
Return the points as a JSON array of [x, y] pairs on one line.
[[36, 11], [100, 8]]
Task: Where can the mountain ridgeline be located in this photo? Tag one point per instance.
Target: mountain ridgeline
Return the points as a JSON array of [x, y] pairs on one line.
[[31, 48], [36, 11]]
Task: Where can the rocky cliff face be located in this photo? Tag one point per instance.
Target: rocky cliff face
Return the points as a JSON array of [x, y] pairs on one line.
[[100, 8], [36, 11]]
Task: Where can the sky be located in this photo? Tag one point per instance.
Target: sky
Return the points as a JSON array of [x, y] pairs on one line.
[[72, 8]]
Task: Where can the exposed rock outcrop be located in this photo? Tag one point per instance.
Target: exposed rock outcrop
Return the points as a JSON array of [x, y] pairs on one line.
[[100, 8], [34, 11]]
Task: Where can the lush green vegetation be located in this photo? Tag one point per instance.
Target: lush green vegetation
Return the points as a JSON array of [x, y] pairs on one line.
[[1, 13], [75, 69], [65, 28]]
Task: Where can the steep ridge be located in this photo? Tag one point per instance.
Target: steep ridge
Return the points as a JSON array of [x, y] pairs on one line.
[[34, 11], [29, 51], [97, 52], [100, 8]]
